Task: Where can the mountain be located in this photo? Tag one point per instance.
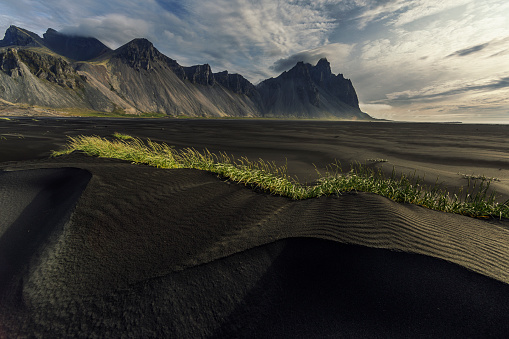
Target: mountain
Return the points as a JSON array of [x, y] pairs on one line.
[[74, 47], [72, 72], [308, 91], [15, 36]]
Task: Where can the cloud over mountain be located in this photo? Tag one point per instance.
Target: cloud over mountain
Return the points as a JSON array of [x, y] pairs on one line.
[[337, 53]]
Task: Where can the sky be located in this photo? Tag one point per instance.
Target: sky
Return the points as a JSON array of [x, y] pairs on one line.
[[417, 60]]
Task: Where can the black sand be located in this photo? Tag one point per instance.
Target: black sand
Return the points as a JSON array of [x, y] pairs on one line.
[[179, 253]]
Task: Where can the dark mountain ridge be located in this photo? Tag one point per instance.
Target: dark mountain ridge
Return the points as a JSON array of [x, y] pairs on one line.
[[63, 71], [15, 36], [73, 47], [308, 91]]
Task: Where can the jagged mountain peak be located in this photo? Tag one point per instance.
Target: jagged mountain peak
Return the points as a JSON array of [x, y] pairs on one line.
[[75, 47], [16, 36], [300, 70], [140, 44], [138, 53], [138, 48], [323, 61], [322, 73], [51, 31], [323, 65], [307, 90]]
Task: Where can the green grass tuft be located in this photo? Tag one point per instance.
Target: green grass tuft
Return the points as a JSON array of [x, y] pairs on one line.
[[122, 136], [473, 200]]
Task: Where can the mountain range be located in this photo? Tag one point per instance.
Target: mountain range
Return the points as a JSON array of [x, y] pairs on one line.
[[63, 71]]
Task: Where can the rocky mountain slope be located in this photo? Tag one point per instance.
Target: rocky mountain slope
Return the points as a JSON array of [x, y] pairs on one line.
[[61, 71], [309, 91]]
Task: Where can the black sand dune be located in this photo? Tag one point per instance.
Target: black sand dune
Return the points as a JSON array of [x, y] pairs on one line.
[[33, 203], [129, 250], [179, 253]]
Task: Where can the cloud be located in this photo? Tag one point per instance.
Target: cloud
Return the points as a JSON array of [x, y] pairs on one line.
[[112, 29], [176, 7], [470, 50], [245, 36], [401, 12], [336, 53], [381, 111], [244, 33], [494, 47], [375, 107], [412, 59], [455, 88], [28, 14], [426, 8]]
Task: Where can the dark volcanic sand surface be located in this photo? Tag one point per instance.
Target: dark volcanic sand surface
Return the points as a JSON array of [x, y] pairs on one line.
[[179, 253], [432, 150]]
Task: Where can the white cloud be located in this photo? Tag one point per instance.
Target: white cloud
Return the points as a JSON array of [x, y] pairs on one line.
[[452, 88], [425, 8], [380, 111], [375, 107], [401, 12], [446, 59], [112, 29], [249, 35], [337, 54], [269, 26]]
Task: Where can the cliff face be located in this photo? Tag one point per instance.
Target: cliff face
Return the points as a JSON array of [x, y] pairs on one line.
[[310, 91], [74, 47], [50, 68], [55, 71], [337, 85], [28, 77], [15, 36], [148, 81], [200, 74], [138, 54], [235, 83]]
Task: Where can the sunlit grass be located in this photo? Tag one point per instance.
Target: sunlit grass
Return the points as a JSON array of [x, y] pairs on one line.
[[474, 200], [122, 136]]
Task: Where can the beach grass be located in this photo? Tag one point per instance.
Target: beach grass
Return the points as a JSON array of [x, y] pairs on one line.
[[473, 200], [122, 136]]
